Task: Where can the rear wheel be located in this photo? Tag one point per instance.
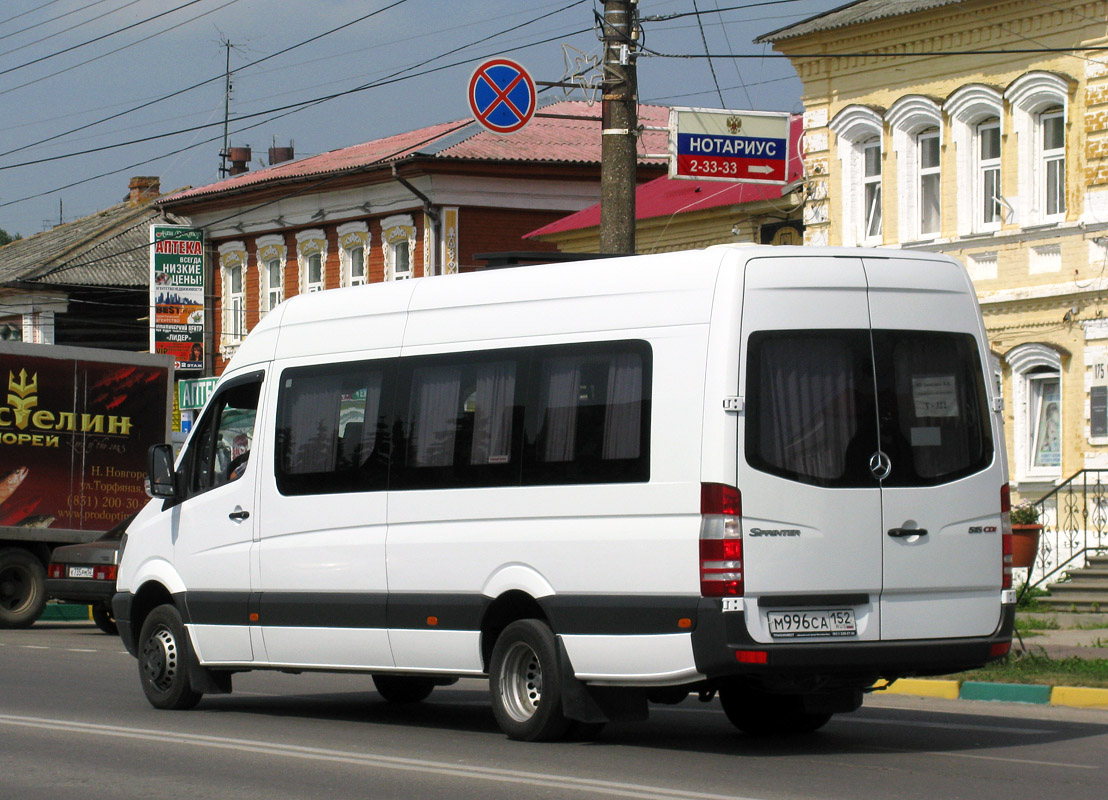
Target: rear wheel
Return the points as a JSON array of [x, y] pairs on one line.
[[164, 654], [761, 714], [102, 616], [22, 588], [403, 688], [526, 683]]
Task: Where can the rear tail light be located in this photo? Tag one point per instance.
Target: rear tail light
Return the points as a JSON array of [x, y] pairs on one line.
[[1006, 536], [105, 573], [55, 571], [721, 544]]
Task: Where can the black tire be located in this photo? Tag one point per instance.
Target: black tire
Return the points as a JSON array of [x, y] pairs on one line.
[[164, 656], [22, 588], [102, 616], [525, 682], [403, 688], [761, 714]]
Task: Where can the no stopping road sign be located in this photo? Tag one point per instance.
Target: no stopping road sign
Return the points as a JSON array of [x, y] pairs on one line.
[[501, 95]]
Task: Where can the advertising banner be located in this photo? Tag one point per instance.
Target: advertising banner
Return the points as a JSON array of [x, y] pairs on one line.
[[177, 294], [73, 439]]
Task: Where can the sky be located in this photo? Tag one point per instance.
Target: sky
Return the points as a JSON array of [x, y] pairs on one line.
[[94, 92]]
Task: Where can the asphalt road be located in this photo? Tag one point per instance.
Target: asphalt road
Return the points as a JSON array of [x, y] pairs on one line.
[[74, 724]]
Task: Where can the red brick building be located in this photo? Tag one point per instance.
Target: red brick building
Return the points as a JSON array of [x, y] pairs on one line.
[[419, 203]]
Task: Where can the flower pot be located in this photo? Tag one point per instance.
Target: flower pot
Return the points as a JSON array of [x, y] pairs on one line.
[[1025, 544]]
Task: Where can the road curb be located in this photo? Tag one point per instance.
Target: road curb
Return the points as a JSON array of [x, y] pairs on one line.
[[66, 612], [1072, 696]]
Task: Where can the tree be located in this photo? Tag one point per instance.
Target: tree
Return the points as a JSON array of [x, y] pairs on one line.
[[7, 238]]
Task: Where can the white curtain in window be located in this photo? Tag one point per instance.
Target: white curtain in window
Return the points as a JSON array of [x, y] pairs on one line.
[[807, 406], [622, 411], [313, 424], [435, 391], [561, 381], [492, 421]]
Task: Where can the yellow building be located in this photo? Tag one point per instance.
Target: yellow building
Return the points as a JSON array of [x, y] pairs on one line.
[[979, 128]]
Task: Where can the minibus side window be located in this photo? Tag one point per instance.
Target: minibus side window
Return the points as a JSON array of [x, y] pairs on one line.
[[462, 423], [332, 431], [590, 416], [222, 443]]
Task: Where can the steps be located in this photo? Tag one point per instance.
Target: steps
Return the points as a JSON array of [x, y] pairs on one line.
[[1086, 589]]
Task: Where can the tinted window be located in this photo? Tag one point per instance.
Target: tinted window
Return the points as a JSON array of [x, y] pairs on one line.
[[332, 433], [221, 445], [589, 418], [813, 416], [934, 412], [810, 410]]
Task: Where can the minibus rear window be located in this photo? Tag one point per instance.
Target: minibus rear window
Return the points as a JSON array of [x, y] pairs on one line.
[[818, 402]]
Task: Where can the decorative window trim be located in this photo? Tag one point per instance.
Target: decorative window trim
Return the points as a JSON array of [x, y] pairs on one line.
[[312, 242], [450, 240], [967, 108], [1031, 95], [908, 118], [232, 255], [270, 248], [395, 230], [1031, 363], [353, 235], [854, 126]]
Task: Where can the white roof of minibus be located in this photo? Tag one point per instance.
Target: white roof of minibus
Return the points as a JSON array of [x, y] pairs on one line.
[[610, 294]]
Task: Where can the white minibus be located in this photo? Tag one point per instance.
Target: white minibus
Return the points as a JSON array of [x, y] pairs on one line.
[[775, 474]]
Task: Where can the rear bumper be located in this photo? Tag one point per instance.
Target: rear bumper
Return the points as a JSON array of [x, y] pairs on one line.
[[719, 637], [77, 590]]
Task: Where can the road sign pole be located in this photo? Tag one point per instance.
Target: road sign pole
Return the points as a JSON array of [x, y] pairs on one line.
[[618, 160]]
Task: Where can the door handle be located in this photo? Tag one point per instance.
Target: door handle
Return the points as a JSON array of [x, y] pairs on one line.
[[900, 533], [239, 516]]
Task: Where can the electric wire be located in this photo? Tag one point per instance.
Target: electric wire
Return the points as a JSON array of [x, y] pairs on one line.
[[64, 30], [711, 66], [100, 38]]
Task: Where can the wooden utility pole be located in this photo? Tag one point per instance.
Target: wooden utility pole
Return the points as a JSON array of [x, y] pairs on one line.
[[619, 136]]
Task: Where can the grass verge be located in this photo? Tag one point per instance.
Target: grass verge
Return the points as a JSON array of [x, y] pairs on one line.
[[1027, 668]]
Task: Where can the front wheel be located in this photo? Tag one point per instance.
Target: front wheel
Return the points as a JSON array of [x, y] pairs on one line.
[[22, 588], [526, 683], [762, 714], [164, 654]]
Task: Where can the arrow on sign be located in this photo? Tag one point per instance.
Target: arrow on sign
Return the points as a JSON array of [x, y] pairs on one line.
[[761, 169]]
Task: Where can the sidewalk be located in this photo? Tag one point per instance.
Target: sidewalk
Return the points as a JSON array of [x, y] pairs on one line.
[[1074, 638]]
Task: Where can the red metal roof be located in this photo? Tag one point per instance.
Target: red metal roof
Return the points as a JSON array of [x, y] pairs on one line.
[[549, 138], [665, 196]]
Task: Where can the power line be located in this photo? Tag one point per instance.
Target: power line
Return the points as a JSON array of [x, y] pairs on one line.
[[32, 11], [63, 30], [298, 106], [71, 48], [205, 82], [711, 66]]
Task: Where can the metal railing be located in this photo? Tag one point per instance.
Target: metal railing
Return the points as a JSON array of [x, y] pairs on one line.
[[1075, 525]]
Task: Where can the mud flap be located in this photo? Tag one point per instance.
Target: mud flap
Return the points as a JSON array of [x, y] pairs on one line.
[[585, 703], [842, 701], [206, 681]]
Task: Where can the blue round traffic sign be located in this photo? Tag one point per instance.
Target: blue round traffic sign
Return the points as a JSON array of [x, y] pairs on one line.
[[501, 95]]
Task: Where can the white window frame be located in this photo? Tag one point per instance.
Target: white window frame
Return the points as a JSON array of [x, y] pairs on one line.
[[854, 127], [311, 244], [1033, 365], [398, 232], [1035, 97], [232, 260], [271, 252], [967, 108], [913, 119], [988, 208], [353, 236]]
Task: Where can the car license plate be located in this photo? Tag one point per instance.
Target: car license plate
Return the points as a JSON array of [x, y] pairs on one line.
[[80, 572], [794, 624]]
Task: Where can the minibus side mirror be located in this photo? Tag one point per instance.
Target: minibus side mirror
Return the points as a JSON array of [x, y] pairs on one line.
[[161, 480]]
